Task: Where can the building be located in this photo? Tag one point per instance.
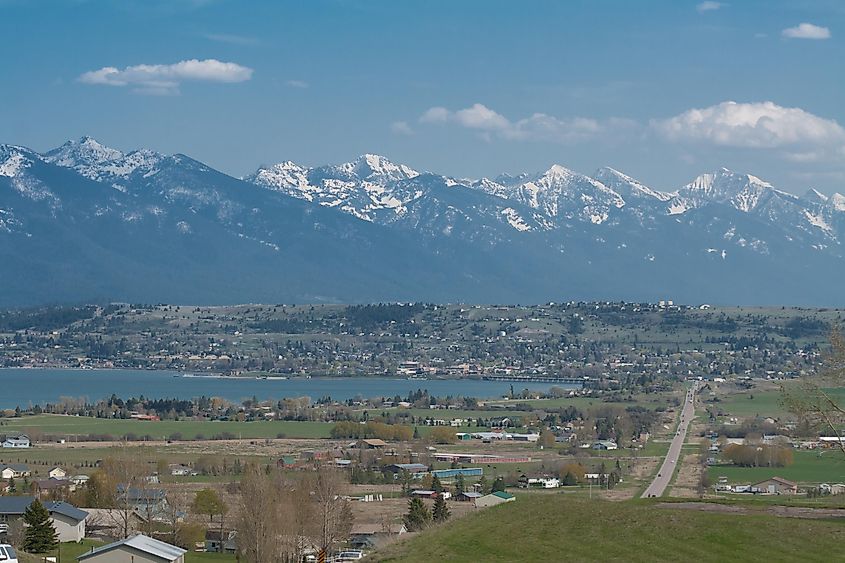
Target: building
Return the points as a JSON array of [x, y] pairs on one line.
[[604, 445], [69, 521], [52, 488], [19, 441], [137, 549], [468, 496], [14, 471], [57, 473], [415, 469], [370, 536], [775, 486], [215, 540], [452, 473], [545, 482], [371, 444], [493, 499]]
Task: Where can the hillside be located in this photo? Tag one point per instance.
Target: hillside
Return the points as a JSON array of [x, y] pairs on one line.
[[560, 528]]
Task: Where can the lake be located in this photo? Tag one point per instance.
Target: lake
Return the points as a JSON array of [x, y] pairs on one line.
[[24, 387]]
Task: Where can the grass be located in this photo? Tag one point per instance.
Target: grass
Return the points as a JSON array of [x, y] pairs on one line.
[[762, 402], [809, 467], [562, 527], [71, 427], [69, 550]]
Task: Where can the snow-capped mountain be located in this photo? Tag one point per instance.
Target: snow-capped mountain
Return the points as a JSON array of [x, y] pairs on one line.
[[85, 221]]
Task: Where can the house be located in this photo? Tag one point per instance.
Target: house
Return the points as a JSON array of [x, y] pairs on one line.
[[19, 441], [423, 493], [369, 536], [109, 524], [493, 499], [523, 437], [218, 542], [68, 520], [14, 471], [179, 470], [287, 462], [544, 482], [51, 488], [57, 473], [150, 504], [468, 496], [604, 445], [371, 444], [775, 486], [79, 480], [137, 549]]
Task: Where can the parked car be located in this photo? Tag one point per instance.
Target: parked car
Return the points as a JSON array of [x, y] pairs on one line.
[[349, 555], [7, 554]]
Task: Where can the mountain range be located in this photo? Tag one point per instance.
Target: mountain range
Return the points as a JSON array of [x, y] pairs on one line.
[[85, 222]]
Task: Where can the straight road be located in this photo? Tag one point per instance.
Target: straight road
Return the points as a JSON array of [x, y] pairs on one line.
[[667, 469]]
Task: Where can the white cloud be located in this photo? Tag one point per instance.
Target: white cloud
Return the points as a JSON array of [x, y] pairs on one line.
[[165, 79], [751, 125], [401, 128], [709, 6], [537, 127], [806, 31], [297, 84]]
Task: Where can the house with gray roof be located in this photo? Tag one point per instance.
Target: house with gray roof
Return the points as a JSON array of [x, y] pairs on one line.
[[137, 549], [68, 520]]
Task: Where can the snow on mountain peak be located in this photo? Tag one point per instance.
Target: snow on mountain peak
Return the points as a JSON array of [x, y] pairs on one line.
[[837, 202], [99, 162], [370, 165], [815, 196], [627, 186]]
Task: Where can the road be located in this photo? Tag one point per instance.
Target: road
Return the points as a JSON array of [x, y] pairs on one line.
[[667, 469]]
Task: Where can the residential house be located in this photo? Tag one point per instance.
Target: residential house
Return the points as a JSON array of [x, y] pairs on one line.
[[16, 441], [57, 473], [51, 488], [415, 469], [544, 482], [604, 445], [493, 499], [468, 496], [369, 536], [221, 542], [68, 520], [150, 504], [179, 470], [137, 549], [775, 486], [14, 470]]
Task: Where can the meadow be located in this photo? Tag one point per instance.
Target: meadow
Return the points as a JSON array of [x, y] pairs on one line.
[[563, 527], [809, 467]]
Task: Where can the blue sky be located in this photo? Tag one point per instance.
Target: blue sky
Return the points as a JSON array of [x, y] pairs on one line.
[[466, 88]]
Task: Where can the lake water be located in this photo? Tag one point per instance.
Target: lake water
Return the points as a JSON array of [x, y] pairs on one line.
[[24, 387]]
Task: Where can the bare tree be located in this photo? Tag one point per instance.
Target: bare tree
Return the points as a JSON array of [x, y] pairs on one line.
[[333, 514], [811, 400], [259, 517]]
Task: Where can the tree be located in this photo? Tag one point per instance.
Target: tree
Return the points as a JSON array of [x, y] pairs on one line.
[[547, 439], [208, 503], [811, 400], [436, 485], [440, 513], [259, 521], [483, 486], [569, 479], [498, 485], [333, 513], [418, 517], [443, 435], [40, 535], [460, 484]]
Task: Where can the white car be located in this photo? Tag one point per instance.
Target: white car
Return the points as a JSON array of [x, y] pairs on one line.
[[349, 555], [7, 554]]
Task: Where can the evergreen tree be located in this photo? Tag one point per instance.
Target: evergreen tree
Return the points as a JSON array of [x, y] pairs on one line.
[[569, 479], [498, 485], [460, 485], [440, 513], [484, 486], [436, 486], [418, 516], [40, 535]]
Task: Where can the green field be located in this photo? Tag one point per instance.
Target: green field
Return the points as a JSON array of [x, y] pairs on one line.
[[73, 426], [810, 467], [762, 403], [561, 527]]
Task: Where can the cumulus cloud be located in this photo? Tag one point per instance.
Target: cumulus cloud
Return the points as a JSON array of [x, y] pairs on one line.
[[806, 31], [751, 125], [536, 127], [401, 128], [165, 79], [709, 6]]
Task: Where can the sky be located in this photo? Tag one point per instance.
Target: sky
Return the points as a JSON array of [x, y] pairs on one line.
[[661, 90]]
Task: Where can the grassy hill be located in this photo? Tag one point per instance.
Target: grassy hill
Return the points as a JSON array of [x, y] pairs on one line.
[[557, 527]]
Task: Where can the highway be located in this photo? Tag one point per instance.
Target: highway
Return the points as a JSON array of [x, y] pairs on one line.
[[667, 469]]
